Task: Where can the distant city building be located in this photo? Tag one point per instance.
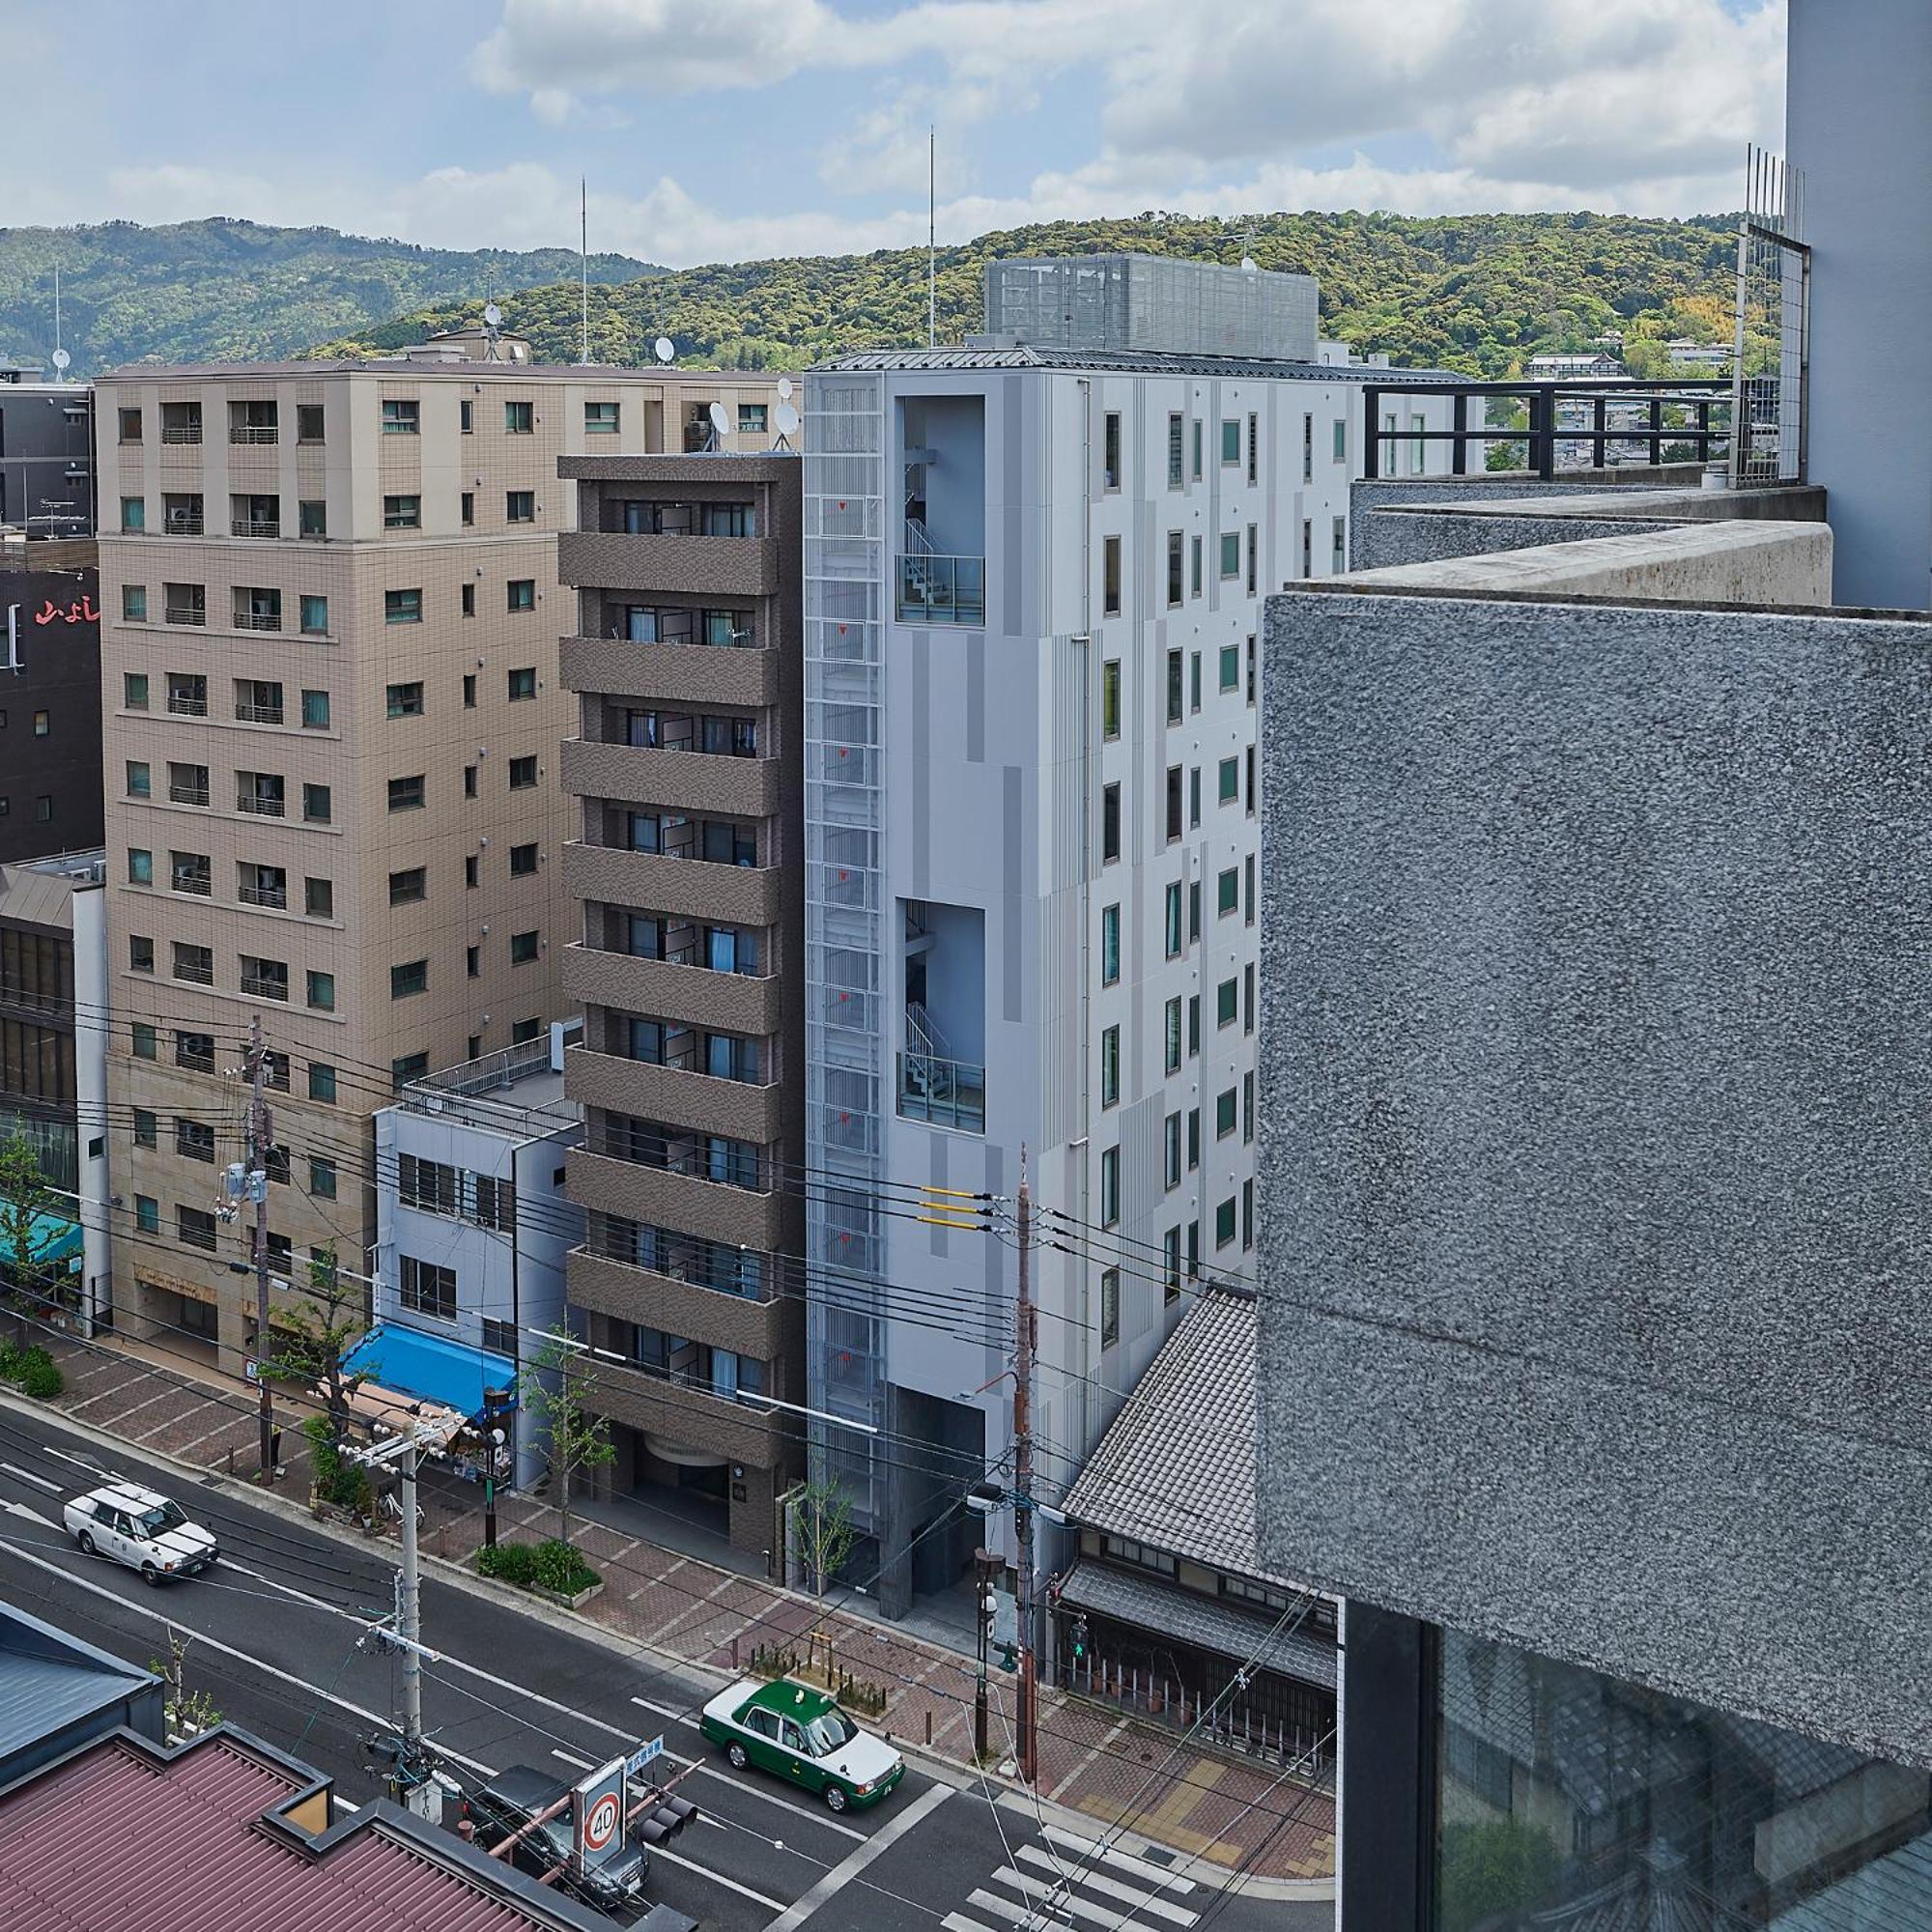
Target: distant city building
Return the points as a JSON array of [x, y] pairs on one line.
[[1702, 359], [49, 698], [333, 720], [47, 455], [1572, 368]]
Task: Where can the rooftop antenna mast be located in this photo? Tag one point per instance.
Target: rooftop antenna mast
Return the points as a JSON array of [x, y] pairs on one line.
[[583, 253], [931, 235], [60, 354]]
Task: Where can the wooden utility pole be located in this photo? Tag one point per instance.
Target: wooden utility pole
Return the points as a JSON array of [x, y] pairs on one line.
[[259, 1135], [1028, 1685]]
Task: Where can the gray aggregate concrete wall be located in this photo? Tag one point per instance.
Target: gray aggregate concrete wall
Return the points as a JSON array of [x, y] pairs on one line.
[[1596, 1138]]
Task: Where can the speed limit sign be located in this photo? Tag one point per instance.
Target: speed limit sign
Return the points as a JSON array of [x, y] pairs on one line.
[[600, 1827], [599, 1808]]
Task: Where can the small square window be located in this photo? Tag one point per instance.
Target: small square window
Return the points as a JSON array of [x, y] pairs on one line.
[[321, 1178], [408, 1066], [322, 991], [133, 603], [140, 867], [141, 1039], [321, 1082], [402, 513], [520, 506], [314, 711], [407, 794], [524, 947], [527, 1030], [312, 517], [403, 607], [522, 683], [315, 616], [520, 593], [519, 418], [522, 772], [409, 979], [522, 862], [400, 416], [600, 419], [317, 808], [318, 898], [410, 887], [135, 689], [405, 700], [309, 422]]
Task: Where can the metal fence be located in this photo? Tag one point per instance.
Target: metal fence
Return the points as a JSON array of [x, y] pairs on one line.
[[1772, 348]]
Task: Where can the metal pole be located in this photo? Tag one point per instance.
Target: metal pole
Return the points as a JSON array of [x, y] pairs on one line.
[[259, 1131], [1028, 1685], [408, 1608], [983, 1572], [583, 253], [932, 235]]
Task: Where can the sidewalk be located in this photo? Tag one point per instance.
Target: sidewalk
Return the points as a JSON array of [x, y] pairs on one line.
[[1235, 1813]]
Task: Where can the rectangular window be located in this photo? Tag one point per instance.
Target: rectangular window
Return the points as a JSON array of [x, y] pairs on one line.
[[1194, 1251], [194, 1051], [1230, 775], [406, 1068], [523, 772], [1177, 688], [402, 513], [525, 948], [141, 1039], [322, 1176], [409, 979], [147, 1212], [407, 794], [1228, 893], [1247, 999], [1193, 1024], [1254, 666], [406, 700], [193, 963], [1199, 434], [1171, 822], [1110, 945], [1338, 546], [322, 1082], [309, 422], [411, 886], [467, 600], [1254, 560], [520, 506], [145, 1134], [403, 607], [322, 991], [1170, 1266], [312, 517], [1194, 680], [520, 593], [1176, 449], [1110, 823], [1170, 1141], [1248, 888], [600, 419], [1110, 1307], [263, 978], [1308, 547], [1193, 1138], [133, 513], [1254, 439], [134, 602], [522, 862], [522, 683], [1227, 1003], [1224, 1222], [1247, 1213], [194, 1227], [400, 416], [752, 418], [1230, 554], [1194, 910], [317, 808], [314, 711], [519, 418], [315, 616], [466, 417], [1110, 698], [140, 780], [1339, 441], [1194, 548], [1416, 446], [1110, 577], [1174, 569], [135, 689], [1170, 1036], [1110, 451], [130, 425], [466, 510], [1230, 441], [1110, 1065], [428, 1288], [469, 781], [1224, 1114], [140, 867], [1247, 1107], [1308, 447], [1110, 1187], [140, 953], [194, 1140], [1253, 793], [1173, 921]]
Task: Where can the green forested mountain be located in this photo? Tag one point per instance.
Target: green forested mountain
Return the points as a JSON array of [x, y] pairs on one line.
[[200, 290], [1475, 293]]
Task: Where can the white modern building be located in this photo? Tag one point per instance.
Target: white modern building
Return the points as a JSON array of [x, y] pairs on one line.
[[1033, 574], [472, 1227]]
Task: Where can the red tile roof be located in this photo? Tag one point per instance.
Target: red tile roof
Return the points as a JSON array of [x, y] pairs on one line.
[[121, 1838]]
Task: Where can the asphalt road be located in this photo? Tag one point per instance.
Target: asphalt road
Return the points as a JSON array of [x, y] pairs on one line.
[[275, 1634]]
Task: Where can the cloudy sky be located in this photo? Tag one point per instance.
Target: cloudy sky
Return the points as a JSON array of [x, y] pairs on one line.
[[718, 130]]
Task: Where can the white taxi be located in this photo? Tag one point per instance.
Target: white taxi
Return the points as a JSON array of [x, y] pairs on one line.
[[148, 1532]]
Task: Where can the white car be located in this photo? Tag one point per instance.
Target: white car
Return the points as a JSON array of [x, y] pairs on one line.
[[148, 1532]]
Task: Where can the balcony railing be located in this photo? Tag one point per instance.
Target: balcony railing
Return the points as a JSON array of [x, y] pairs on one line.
[[720, 1278], [192, 882], [258, 714], [181, 706], [196, 974], [187, 794], [943, 1092], [938, 590], [691, 1163], [181, 432], [695, 954], [258, 620], [274, 897], [183, 524], [265, 986], [255, 527], [253, 433], [187, 614], [259, 805]]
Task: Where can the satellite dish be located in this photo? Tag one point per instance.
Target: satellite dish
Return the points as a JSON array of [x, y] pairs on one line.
[[61, 358], [665, 349], [719, 421], [787, 419], [785, 388], [492, 315]]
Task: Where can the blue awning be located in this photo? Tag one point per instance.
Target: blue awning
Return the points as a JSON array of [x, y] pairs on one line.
[[428, 1368], [50, 1238]]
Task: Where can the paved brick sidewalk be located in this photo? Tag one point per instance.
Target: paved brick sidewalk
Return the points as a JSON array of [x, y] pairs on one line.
[[1237, 1813]]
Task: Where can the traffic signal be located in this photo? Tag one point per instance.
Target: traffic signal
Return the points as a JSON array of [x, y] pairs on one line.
[[1077, 1637]]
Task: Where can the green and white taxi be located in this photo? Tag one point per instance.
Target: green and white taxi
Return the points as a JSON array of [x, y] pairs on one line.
[[802, 1735]]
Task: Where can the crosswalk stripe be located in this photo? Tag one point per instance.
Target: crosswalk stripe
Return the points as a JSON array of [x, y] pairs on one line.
[[1111, 1887], [958, 1922], [1062, 1900], [1000, 1908], [1145, 1869]]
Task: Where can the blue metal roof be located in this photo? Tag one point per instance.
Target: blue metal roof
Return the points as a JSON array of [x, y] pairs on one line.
[[429, 1367], [52, 1237]]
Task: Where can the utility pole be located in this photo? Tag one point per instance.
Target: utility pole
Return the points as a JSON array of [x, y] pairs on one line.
[[260, 1133], [1029, 1684], [986, 1565], [409, 1607]]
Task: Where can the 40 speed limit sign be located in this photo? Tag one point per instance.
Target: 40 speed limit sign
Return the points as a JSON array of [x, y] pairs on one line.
[[599, 1810]]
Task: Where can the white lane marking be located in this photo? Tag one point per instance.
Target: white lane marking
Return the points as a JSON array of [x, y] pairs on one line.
[[1000, 1908], [662, 1710], [958, 1922], [716, 1877], [1058, 1900], [853, 1862], [30, 1513], [82, 1463], [1157, 1876], [571, 1757], [290, 1590], [28, 1476], [1110, 1888]]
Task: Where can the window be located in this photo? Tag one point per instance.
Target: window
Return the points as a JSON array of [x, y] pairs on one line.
[[408, 887], [1308, 448], [407, 794], [309, 422], [1416, 446], [752, 418], [399, 416], [140, 780], [1227, 1002], [1174, 590], [1224, 1222], [1228, 893], [523, 772], [141, 1039], [525, 1030], [600, 419], [187, 694], [133, 513], [140, 953], [316, 803], [43, 809], [1247, 999], [428, 1288], [519, 418], [1230, 554], [1254, 439], [1199, 434], [1170, 1036], [1177, 688], [1173, 920], [1247, 1213], [1110, 698], [1110, 451], [1338, 546], [147, 1213], [133, 603], [1223, 1115], [321, 1177], [265, 978], [257, 700], [522, 862], [1176, 452], [1308, 547], [520, 506], [1339, 444], [1110, 1187], [145, 1125], [466, 508], [322, 991], [1194, 680], [409, 979], [403, 607], [194, 1051], [193, 963], [471, 877], [140, 867], [466, 417], [314, 711], [1110, 1067], [406, 1068], [1110, 822], [470, 690], [1170, 1258], [1248, 869], [322, 1082], [1171, 821], [469, 781], [312, 517], [1230, 780], [194, 1140], [1252, 795], [1247, 1107], [1193, 1024], [1230, 441], [314, 616], [522, 683], [1110, 1307], [1194, 909], [1194, 566], [1110, 945], [1170, 1141], [1110, 577], [520, 593], [130, 425], [524, 947], [406, 700], [262, 885], [1253, 668], [402, 513]]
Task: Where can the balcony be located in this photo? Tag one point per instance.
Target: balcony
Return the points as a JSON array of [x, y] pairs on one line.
[[673, 989], [274, 897], [692, 888], [730, 569], [196, 973], [935, 589], [182, 705], [696, 783], [255, 527], [253, 433], [258, 620], [265, 985], [185, 614], [183, 524], [673, 674], [196, 883], [705, 1103], [752, 1218], [942, 1093], [187, 794], [261, 805], [743, 1431], [665, 1299], [258, 714]]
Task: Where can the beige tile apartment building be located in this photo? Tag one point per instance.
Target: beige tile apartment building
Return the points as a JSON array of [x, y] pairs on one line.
[[685, 960], [332, 715]]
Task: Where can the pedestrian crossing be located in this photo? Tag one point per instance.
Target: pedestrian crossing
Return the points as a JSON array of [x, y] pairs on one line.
[[1074, 1882]]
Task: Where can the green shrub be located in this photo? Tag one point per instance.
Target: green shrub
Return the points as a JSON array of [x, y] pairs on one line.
[[511, 1562], [560, 1568], [42, 1380], [9, 1357]]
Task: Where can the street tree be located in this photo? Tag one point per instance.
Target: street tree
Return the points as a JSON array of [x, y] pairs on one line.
[[577, 1439], [822, 1532], [29, 1219], [319, 1331]]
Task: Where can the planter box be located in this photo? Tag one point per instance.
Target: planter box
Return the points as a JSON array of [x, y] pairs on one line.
[[558, 1597], [324, 1510]]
